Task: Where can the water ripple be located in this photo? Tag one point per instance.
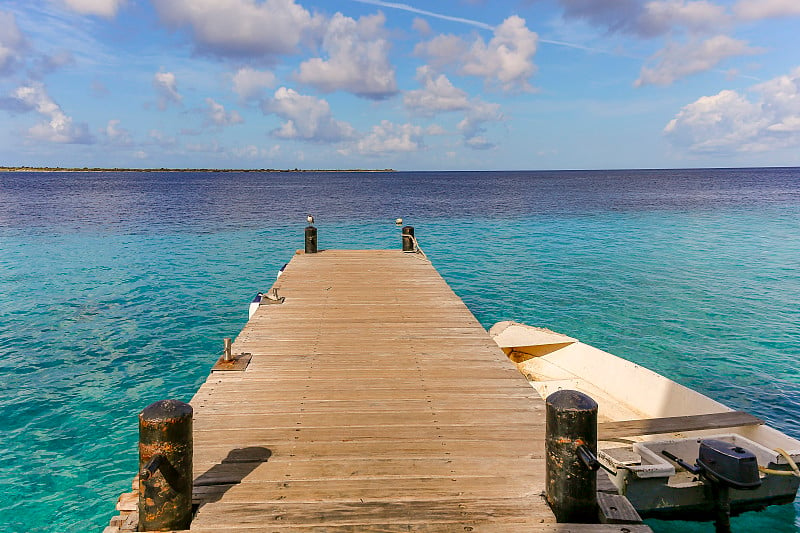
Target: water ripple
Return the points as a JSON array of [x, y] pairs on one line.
[[117, 290]]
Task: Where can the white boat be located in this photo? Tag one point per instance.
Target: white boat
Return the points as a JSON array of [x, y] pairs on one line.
[[254, 304], [642, 414]]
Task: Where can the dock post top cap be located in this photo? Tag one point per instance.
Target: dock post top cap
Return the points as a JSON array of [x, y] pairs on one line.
[[571, 400], [166, 410]]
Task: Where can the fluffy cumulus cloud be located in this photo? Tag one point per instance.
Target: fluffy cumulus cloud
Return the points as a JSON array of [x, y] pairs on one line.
[[101, 8], [686, 24], [443, 50], [421, 26], [473, 128], [761, 9], [647, 19], [358, 58], [249, 84], [730, 122], [436, 96], [57, 127], [241, 28], [115, 134], [677, 61], [387, 138], [218, 116], [507, 59], [12, 42], [307, 118], [166, 86]]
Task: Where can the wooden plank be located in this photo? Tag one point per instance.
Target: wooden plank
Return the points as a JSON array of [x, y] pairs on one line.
[[616, 509], [411, 513], [373, 400], [675, 424], [439, 527]]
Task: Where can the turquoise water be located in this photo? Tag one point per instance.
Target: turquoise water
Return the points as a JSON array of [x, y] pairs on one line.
[[116, 291]]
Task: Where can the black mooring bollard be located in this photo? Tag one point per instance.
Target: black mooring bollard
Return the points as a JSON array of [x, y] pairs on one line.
[[570, 486], [311, 240], [408, 239], [165, 466]]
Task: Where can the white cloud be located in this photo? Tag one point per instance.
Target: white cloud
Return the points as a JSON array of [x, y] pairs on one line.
[[730, 122], [241, 28], [58, 128], [12, 42], [421, 26], [217, 115], [249, 83], [648, 19], [161, 139], [387, 137], [659, 17], [212, 147], [307, 118], [761, 9], [507, 59], [677, 61], [442, 50], [435, 129], [437, 95], [101, 8], [358, 59], [472, 126], [252, 151], [117, 135], [166, 86], [478, 142]]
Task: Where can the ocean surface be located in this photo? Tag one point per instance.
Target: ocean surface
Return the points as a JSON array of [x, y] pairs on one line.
[[116, 290]]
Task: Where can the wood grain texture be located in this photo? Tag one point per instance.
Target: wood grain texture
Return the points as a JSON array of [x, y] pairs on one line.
[[675, 424], [374, 401]]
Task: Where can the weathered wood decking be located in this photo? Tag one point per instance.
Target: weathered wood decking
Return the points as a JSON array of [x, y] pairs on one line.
[[374, 401]]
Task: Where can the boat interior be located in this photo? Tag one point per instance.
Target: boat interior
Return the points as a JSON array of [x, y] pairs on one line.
[[642, 415]]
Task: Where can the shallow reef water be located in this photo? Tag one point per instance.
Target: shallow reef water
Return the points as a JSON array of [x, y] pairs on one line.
[[116, 290]]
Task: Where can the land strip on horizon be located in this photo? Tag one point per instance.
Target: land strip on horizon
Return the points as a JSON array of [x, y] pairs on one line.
[[115, 169]]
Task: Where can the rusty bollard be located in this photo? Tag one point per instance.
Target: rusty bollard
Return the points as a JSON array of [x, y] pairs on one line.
[[570, 487], [408, 239], [165, 466], [311, 240]]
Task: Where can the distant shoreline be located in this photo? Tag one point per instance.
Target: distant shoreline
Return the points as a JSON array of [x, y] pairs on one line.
[[97, 169]]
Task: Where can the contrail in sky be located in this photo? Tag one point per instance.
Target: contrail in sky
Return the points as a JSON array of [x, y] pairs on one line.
[[412, 9], [476, 23]]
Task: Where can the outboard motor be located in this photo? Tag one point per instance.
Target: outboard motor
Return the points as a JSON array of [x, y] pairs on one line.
[[723, 466]]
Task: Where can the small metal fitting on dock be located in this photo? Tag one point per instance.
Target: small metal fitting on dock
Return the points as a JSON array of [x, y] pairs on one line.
[[226, 353]]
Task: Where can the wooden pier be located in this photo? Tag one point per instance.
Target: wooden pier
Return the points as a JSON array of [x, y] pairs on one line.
[[373, 401]]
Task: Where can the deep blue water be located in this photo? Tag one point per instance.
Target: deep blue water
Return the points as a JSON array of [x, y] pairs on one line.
[[117, 288]]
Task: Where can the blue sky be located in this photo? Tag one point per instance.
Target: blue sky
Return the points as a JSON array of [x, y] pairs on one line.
[[471, 84]]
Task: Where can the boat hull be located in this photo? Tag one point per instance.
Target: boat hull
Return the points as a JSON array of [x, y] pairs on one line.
[[625, 391]]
